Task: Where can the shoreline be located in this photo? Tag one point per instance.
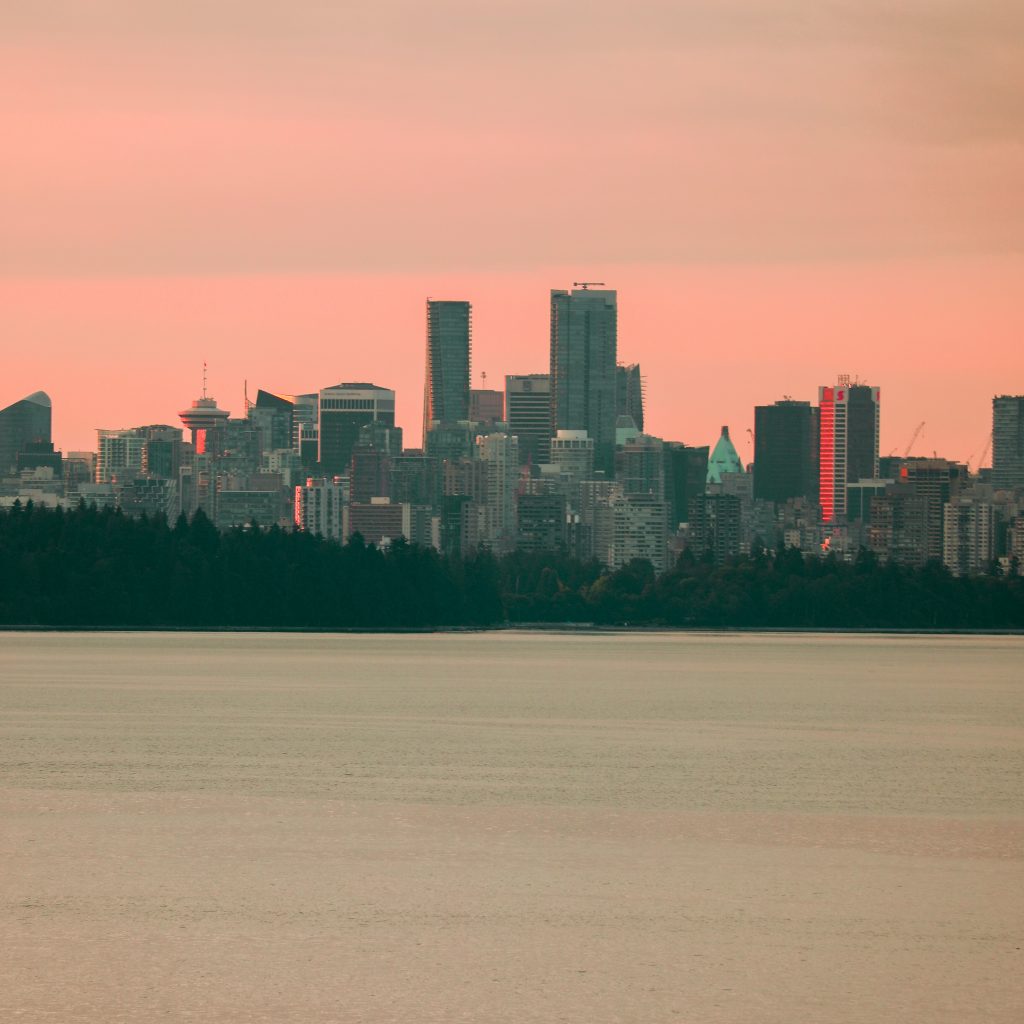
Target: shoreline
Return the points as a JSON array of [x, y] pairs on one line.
[[519, 627]]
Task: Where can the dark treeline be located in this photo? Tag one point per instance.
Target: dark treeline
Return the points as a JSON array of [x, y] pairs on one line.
[[100, 568]]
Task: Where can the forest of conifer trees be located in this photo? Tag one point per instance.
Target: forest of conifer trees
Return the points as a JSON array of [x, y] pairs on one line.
[[100, 569]]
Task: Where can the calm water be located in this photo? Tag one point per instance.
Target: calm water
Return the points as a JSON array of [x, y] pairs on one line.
[[511, 827]]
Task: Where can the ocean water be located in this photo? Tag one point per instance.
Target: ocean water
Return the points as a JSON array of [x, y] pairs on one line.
[[506, 827]]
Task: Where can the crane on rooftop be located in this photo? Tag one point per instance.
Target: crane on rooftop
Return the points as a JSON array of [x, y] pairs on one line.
[[910, 444]]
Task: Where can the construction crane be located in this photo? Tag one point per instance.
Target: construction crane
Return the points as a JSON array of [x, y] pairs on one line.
[[913, 438], [984, 454], [588, 284], [910, 444]]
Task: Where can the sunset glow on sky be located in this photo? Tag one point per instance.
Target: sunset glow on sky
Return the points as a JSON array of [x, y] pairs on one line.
[[780, 191]]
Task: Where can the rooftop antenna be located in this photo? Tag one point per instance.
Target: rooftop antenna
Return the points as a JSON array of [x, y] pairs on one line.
[[483, 377], [204, 378], [585, 285]]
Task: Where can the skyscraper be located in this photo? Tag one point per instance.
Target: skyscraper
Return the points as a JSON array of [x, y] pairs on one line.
[[274, 417], [343, 410], [446, 379], [23, 423], [1008, 441], [528, 408], [848, 417], [629, 394], [584, 332], [785, 451]]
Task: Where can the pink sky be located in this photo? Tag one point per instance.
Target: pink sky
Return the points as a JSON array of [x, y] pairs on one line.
[[780, 191]]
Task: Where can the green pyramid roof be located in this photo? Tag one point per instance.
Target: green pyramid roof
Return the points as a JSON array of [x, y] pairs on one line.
[[723, 459]]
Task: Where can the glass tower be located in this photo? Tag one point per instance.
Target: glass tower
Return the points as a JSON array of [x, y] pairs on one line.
[[21, 424], [584, 332], [446, 380]]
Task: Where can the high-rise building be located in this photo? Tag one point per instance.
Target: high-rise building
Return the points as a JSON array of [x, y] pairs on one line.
[[785, 451], [274, 417], [638, 530], [446, 380], [572, 453], [629, 393], [416, 479], [147, 451], [848, 418], [1008, 441], [969, 533], [686, 473], [584, 332], [486, 406], [379, 521], [28, 421], [541, 522], [715, 526], [500, 454], [528, 408], [343, 410], [319, 504], [640, 466], [369, 473]]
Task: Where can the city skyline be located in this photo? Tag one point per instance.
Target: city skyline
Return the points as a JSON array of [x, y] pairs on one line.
[[708, 402], [784, 193], [714, 407]]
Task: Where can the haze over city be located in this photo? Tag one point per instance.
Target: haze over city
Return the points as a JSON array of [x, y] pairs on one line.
[[779, 192]]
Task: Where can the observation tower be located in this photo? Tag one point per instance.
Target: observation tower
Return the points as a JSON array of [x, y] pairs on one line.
[[203, 417]]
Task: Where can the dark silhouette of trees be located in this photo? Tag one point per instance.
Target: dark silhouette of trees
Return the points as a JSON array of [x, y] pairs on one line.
[[98, 568]]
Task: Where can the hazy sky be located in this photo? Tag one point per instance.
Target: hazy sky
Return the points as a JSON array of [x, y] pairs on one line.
[[780, 191]]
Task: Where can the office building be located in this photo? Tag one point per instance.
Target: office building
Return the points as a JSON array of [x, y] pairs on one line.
[[1008, 441], [446, 378], [528, 408], [486, 407], [640, 466], [686, 473], [343, 410], [584, 332], [369, 473], [416, 479], [572, 456], [848, 420], [378, 521], [274, 418], [28, 421], [785, 451]]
